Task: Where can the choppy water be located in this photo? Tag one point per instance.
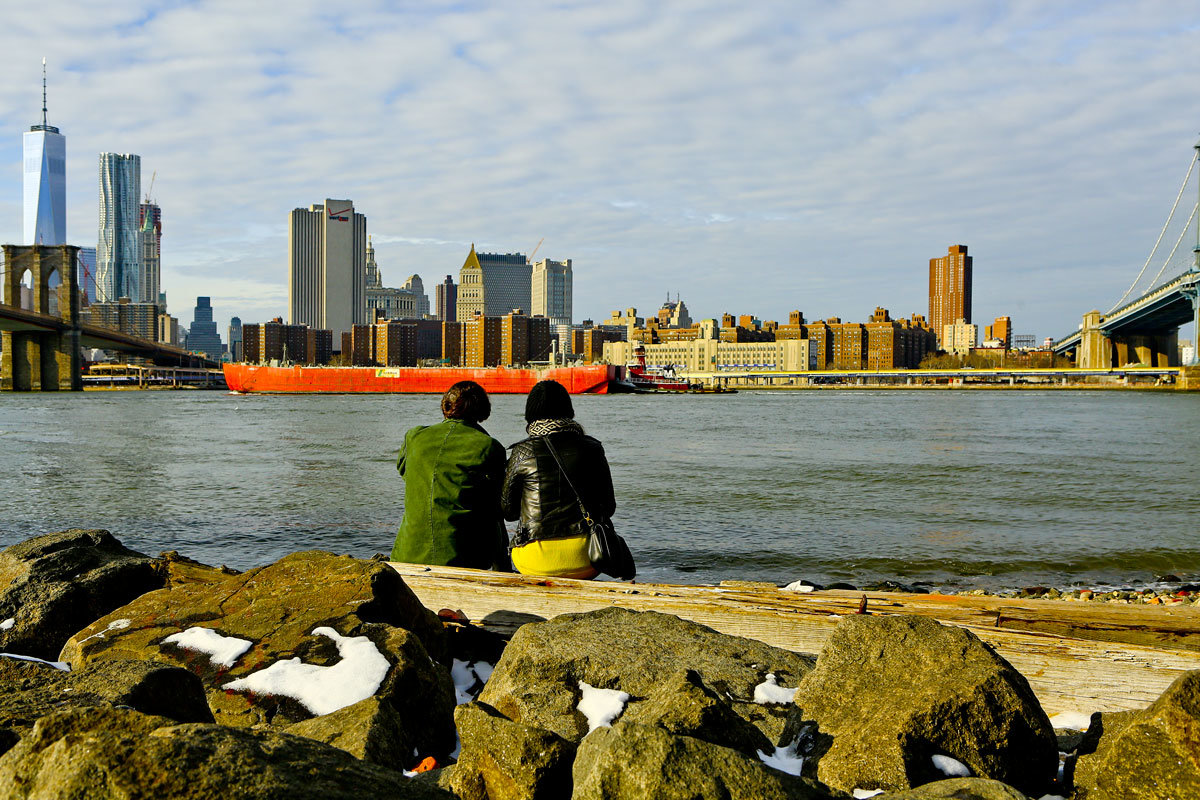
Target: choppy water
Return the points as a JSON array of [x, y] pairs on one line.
[[957, 488]]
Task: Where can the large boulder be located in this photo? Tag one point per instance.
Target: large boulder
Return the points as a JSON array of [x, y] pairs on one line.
[[53, 585], [957, 789], [1152, 754], [890, 693], [642, 761], [328, 614], [30, 690], [370, 729], [505, 760], [103, 753], [649, 656]]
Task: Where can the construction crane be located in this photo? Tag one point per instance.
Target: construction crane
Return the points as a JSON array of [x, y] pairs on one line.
[[150, 191], [539, 247]]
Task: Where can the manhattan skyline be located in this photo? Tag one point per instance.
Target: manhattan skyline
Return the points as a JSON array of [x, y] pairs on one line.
[[753, 159]]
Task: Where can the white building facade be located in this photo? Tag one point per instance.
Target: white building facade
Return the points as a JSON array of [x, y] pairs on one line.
[[327, 274], [550, 292], [118, 251]]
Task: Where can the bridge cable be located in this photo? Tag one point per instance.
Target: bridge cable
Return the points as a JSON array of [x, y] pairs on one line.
[[1161, 233], [1187, 228]]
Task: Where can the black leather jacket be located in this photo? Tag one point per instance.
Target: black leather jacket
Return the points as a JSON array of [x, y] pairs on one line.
[[536, 493]]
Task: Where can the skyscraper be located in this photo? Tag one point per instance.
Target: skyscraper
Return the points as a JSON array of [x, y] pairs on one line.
[[235, 339], [45, 181], [949, 289], [447, 299], [150, 234], [550, 293], [118, 252], [327, 254], [203, 336], [493, 284], [417, 287]]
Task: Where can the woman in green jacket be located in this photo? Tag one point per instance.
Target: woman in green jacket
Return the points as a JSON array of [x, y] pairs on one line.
[[452, 475]]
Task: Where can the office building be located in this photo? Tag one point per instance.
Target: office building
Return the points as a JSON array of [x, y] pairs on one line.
[[150, 233], [550, 291], [87, 273], [416, 288], [235, 339], [447, 299], [374, 278], [327, 255], [118, 252], [1000, 331], [203, 336], [713, 355], [949, 289], [45, 180], [492, 285], [168, 328]]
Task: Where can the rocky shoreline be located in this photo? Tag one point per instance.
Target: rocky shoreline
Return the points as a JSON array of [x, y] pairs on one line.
[[127, 676], [1169, 590]]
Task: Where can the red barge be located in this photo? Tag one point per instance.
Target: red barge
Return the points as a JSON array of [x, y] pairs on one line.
[[589, 379]]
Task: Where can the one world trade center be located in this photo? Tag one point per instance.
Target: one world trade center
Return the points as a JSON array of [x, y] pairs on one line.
[[45, 168]]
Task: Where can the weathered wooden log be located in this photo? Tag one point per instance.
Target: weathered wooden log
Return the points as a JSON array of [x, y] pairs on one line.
[[1077, 656]]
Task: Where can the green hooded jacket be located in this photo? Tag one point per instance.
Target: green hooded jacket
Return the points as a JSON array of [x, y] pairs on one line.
[[452, 475]]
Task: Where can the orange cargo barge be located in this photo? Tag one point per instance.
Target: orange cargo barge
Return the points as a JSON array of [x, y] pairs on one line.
[[594, 379]]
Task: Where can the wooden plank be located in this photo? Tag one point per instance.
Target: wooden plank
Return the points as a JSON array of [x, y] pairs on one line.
[[1077, 657]]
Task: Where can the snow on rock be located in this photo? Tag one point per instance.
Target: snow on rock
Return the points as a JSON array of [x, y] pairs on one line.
[[323, 690], [950, 767], [600, 706], [115, 625], [469, 679], [62, 665], [1052, 797], [7, 624], [863, 794], [223, 651], [769, 691], [1075, 720], [783, 759], [799, 586]]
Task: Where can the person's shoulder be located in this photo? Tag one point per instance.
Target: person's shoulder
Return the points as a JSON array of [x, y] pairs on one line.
[[524, 447]]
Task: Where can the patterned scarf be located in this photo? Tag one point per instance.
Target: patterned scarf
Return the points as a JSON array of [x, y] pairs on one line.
[[545, 427]]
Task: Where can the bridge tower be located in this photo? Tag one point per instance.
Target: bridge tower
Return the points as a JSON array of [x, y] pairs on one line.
[[1194, 291], [41, 354]]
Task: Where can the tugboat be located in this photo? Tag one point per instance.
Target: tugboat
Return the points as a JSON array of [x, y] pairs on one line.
[[644, 378]]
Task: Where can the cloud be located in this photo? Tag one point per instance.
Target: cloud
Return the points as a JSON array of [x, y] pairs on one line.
[[754, 157]]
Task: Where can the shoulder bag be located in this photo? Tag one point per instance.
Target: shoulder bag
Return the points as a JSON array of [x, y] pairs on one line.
[[607, 551]]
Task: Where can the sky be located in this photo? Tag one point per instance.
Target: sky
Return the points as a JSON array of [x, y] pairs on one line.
[[751, 157]]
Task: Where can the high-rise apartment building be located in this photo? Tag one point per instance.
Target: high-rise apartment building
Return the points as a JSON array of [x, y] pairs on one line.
[[949, 289], [327, 255], [550, 291], [45, 172], [959, 337], [203, 336], [493, 284], [118, 252], [447, 300], [1000, 330], [150, 234]]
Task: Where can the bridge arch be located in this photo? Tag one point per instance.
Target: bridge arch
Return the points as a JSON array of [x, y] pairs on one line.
[[25, 291], [40, 330]]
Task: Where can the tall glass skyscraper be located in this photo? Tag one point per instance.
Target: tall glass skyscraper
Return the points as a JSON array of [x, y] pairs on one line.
[[45, 168], [118, 252], [203, 336]]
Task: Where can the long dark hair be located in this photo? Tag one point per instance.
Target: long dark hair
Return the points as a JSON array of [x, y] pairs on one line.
[[548, 400], [466, 400]]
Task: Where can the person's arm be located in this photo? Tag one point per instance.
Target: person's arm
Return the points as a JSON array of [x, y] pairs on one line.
[[604, 486], [514, 485], [403, 452]]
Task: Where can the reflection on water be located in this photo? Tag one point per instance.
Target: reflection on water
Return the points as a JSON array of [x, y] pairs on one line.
[[965, 488]]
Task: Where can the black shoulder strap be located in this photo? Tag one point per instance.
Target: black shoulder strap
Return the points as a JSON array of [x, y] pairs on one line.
[[578, 496]]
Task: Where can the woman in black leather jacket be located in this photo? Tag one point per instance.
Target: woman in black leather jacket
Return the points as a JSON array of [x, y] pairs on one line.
[[551, 537]]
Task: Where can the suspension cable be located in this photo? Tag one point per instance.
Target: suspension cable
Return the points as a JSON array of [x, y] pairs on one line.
[[1161, 233], [1187, 228]]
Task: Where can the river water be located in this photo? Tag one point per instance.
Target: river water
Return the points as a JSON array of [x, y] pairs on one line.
[[961, 489]]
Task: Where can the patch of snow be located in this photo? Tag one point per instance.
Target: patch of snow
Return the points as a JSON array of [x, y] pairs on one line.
[[115, 625], [769, 691], [951, 767], [863, 794], [600, 706], [7, 624], [62, 665], [1075, 720], [469, 679], [323, 690], [223, 651], [484, 670], [783, 759], [799, 586], [1052, 797]]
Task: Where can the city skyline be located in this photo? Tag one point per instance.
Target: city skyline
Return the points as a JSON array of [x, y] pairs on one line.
[[779, 157]]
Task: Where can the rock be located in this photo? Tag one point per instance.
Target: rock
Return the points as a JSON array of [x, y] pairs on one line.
[[31, 690], [957, 789], [370, 729], [177, 570], [505, 760], [277, 608], [53, 585], [888, 693], [536, 682], [103, 753], [642, 761], [1152, 754]]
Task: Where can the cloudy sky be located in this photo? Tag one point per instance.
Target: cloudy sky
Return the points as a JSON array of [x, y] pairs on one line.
[[755, 157]]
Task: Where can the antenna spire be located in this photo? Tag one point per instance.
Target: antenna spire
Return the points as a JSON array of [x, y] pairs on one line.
[[44, 123]]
